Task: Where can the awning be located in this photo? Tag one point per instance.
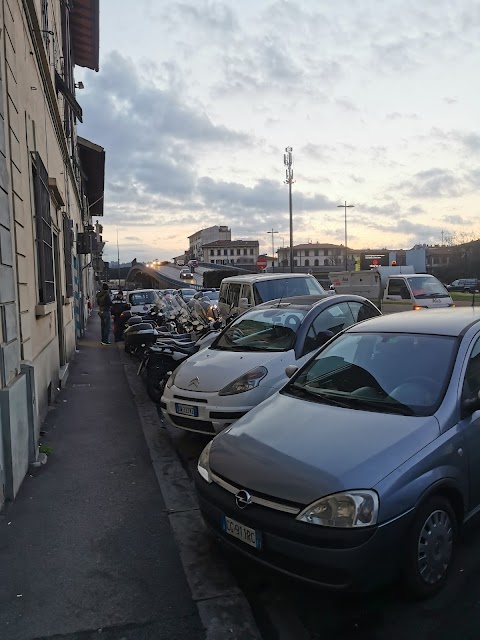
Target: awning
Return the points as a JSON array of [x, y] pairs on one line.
[[61, 86], [84, 29], [92, 158]]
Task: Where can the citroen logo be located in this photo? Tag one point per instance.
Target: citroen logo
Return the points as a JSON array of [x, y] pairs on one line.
[[243, 498], [195, 381]]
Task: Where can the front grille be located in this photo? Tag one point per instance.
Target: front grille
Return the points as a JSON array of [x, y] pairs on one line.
[[223, 415], [196, 400], [190, 423]]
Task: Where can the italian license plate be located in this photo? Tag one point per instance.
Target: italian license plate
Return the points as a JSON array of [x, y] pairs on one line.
[[186, 410], [241, 532]]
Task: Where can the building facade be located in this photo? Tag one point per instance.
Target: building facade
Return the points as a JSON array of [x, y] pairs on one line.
[[205, 236], [231, 252], [51, 183], [315, 255]]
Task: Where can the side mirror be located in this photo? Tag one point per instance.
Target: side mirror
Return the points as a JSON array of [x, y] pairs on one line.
[[244, 304], [290, 370], [472, 404], [323, 337]]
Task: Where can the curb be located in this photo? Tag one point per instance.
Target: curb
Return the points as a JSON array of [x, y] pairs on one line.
[[223, 609]]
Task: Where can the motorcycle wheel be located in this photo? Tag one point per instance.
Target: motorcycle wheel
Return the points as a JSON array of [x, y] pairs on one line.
[[155, 386]]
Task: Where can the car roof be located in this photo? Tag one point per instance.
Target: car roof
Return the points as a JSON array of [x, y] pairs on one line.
[[307, 302], [142, 290], [255, 277], [445, 322]]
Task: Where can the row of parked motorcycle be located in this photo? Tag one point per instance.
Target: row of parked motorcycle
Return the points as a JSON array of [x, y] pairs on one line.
[[168, 334]]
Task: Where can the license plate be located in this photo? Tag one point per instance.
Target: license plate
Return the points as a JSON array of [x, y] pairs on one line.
[[241, 532], [186, 410]]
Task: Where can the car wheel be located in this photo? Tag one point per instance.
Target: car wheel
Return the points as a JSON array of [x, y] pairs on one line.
[[430, 547]]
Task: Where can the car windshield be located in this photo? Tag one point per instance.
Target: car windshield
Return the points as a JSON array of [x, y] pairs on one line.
[[286, 288], [211, 295], [188, 293], [427, 287], [388, 373], [143, 297], [262, 330]]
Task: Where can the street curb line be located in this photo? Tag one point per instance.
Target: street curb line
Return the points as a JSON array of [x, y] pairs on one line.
[[224, 611]]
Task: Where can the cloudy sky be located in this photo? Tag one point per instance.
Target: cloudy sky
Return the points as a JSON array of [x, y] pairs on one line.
[[196, 101]]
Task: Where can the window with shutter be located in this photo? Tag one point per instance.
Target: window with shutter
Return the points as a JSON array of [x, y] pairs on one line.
[[46, 278], [67, 248]]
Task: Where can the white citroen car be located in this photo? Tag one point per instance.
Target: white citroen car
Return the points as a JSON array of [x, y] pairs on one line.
[[246, 363]]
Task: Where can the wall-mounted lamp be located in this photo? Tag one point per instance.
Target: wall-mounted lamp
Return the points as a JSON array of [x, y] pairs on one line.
[[79, 85]]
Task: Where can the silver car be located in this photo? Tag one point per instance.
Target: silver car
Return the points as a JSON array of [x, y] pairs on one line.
[[365, 465]]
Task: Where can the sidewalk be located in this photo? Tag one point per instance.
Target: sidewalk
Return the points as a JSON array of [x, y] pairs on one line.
[[87, 549]]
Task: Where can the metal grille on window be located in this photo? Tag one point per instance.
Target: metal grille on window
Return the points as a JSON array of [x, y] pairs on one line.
[[46, 279], [67, 248], [45, 29]]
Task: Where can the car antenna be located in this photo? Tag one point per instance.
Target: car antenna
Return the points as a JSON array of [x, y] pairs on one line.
[[283, 294]]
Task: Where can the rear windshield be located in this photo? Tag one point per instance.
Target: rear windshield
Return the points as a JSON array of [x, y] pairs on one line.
[[286, 288], [143, 297]]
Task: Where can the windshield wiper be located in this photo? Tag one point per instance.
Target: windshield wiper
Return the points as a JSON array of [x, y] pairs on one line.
[[382, 404], [323, 397]]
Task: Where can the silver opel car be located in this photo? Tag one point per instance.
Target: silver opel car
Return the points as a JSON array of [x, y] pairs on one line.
[[365, 465]]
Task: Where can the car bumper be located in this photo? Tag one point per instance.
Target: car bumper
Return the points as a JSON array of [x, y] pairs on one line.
[[351, 560], [214, 412]]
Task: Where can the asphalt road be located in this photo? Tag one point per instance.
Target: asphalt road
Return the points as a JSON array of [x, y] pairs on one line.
[[289, 610], [174, 272]]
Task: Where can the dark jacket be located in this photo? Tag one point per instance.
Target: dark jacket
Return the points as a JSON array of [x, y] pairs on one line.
[[119, 306], [103, 300]]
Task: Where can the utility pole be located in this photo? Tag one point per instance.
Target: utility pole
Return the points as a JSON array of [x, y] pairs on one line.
[[288, 161], [346, 206], [118, 261], [273, 249]]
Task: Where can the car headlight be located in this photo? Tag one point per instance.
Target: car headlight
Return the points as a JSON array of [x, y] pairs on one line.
[[171, 379], [203, 466], [345, 510], [248, 381]]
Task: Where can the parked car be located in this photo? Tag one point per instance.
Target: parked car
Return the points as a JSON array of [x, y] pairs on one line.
[[246, 363], [142, 300], [186, 273], [211, 294], [464, 284], [193, 264], [186, 294], [364, 466]]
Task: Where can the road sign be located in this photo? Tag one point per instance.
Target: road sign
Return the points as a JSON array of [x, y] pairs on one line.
[[262, 262]]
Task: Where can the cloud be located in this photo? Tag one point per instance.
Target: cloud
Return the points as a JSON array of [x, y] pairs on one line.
[[395, 115], [454, 219], [133, 238], [432, 183]]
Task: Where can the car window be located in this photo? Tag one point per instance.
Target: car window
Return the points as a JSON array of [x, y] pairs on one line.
[[143, 297], [427, 287], [247, 293], [397, 287], [262, 330], [471, 385], [286, 288], [390, 373], [334, 319], [362, 311]]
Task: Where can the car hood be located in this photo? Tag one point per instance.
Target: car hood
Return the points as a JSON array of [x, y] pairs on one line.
[[213, 369], [299, 451]]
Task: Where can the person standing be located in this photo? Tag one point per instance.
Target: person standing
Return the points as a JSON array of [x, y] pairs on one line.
[[104, 302], [119, 305]]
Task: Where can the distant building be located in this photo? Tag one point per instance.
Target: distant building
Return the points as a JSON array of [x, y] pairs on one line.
[[316, 255], [231, 252], [205, 236]]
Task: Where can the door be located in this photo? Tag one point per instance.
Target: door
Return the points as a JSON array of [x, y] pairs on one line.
[[470, 423]]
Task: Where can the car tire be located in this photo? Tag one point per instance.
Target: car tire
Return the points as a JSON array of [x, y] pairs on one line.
[[156, 386], [430, 548]]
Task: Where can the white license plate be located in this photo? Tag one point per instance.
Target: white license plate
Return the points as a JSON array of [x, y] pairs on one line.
[[243, 533], [186, 410]]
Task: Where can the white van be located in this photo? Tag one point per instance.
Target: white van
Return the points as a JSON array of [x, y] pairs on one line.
[[238, 293]]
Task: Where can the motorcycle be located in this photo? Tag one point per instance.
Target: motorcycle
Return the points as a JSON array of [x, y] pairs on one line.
[[159, 360]]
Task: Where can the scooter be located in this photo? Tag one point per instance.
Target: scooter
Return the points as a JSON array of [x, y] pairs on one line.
[[162, 358]]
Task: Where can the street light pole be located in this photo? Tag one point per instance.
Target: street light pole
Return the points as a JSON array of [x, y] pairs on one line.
[[346, 206], [273, 249], [288, 161], [118, 261]]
